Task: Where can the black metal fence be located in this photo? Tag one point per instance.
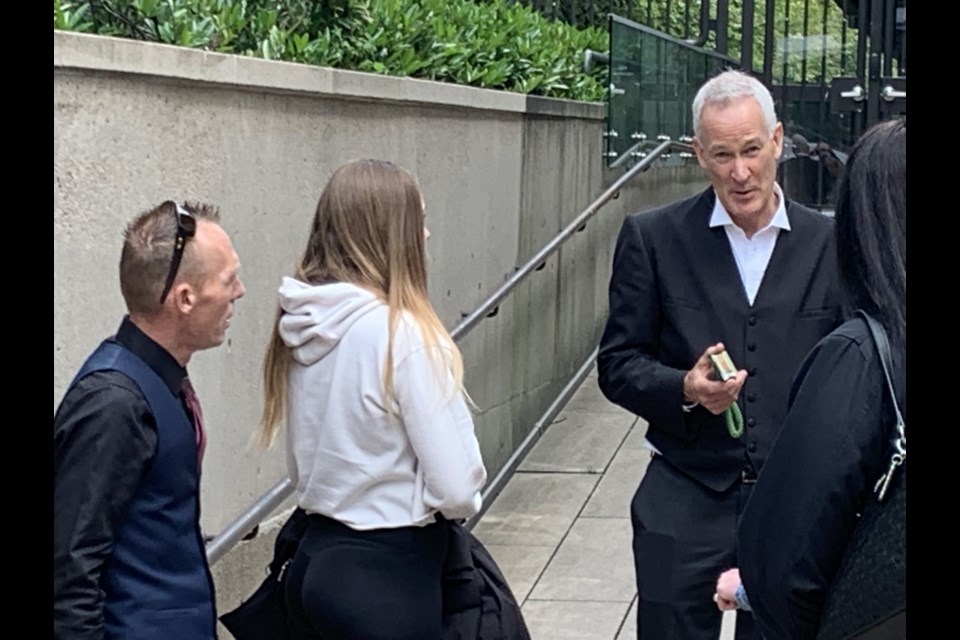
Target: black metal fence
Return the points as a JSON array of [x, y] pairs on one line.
[[835, 67], [777, 39]]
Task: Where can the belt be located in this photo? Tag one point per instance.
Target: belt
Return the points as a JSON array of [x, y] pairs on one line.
[[748, 477]]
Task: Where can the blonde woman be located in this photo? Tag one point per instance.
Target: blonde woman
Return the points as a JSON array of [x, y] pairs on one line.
[[379, 437]]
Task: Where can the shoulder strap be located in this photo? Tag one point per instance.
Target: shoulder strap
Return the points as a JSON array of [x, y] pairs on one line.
[[886, 361], [899, 440]]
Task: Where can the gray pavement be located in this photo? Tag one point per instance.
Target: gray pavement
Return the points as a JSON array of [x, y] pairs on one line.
[[560, 530]]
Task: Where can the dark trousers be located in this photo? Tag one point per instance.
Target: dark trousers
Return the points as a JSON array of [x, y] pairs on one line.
[[367, 585], [684, 537]]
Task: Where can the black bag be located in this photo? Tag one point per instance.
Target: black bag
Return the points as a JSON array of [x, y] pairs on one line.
[[868, 597], [263, 616], [477, 603]]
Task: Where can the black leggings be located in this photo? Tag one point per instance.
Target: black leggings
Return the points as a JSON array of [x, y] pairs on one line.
[[367, 585]]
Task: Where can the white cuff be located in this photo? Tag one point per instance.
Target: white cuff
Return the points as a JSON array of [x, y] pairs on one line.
[[687, 408]]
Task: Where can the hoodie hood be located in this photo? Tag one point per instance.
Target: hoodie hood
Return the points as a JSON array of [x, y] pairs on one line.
[[316, 317]]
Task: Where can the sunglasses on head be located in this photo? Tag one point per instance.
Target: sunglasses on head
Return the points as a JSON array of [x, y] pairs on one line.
[[186, 228]]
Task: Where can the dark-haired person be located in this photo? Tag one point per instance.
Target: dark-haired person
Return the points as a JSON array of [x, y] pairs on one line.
[[836, 440], [128, 441]]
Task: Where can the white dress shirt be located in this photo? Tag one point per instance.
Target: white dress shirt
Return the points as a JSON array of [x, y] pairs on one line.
[[752, 254]]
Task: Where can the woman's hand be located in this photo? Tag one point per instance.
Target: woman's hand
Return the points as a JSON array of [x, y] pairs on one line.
[[727, 585]]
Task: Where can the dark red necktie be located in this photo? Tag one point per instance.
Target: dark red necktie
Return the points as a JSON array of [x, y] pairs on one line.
[[196, 414]]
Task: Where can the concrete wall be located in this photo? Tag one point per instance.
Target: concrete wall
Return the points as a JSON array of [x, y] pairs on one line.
[[136, 124]]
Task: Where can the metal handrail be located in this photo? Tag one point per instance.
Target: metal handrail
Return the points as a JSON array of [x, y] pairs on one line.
[[252, 517], [687, 44], [495, 486], [704, 25], [490, 305], [248, 520], [590, 56]]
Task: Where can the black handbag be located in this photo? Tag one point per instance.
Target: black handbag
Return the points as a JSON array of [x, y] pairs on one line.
[[263, 616], [867, 598]]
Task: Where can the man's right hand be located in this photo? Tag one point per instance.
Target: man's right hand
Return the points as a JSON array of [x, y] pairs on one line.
[[700, 386]]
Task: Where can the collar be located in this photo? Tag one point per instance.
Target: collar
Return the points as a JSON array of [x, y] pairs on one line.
[[156, 357], [720, 217]]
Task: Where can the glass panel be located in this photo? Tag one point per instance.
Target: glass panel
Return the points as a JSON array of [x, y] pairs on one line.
[[653, 78]]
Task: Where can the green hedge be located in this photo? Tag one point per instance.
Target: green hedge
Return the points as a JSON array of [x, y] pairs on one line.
[[496, 44]]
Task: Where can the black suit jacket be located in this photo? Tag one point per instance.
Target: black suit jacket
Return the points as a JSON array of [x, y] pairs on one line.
[[675, 290]]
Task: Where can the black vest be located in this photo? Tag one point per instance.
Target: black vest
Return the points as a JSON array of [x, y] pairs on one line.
[[697, 298]]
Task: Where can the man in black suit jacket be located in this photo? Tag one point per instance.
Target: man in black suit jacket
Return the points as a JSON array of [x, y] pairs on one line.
[[737, 267]]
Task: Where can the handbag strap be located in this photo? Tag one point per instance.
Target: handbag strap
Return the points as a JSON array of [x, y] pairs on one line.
[[886, 361]]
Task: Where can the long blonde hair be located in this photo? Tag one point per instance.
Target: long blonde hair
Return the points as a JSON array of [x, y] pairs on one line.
[[368, 230]]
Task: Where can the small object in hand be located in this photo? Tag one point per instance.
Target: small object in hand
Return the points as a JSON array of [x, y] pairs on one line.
[[726, 370], [723, 365]]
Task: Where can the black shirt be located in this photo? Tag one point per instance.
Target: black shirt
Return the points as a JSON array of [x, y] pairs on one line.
[[104, 441], [834, 446]]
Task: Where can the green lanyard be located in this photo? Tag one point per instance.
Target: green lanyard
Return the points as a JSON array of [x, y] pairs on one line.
[[734, 420], [726, 371]]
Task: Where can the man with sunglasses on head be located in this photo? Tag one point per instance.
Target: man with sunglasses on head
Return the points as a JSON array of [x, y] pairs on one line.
[[128, 442]]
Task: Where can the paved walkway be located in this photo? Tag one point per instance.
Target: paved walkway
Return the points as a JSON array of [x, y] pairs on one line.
[[560, 530]]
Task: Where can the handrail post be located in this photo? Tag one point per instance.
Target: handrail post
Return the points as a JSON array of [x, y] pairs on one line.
[[704, 25]]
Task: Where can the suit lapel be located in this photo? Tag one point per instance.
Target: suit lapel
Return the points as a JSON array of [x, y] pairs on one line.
[[716, 266], [785, 253]]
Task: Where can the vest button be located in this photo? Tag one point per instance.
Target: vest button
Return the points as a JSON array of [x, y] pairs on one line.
[[753, 321], [751, 422], [751, 347], [751, 397], [752, 448]]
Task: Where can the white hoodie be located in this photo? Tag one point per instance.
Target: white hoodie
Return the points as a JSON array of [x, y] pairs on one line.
[[349, 460]]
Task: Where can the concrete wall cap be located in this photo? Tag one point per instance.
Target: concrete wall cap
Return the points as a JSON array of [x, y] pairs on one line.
[[86, 52]]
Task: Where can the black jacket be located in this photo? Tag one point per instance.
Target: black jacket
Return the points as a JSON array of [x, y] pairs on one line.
[[834, 445], [477, 603], [675, 291]]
